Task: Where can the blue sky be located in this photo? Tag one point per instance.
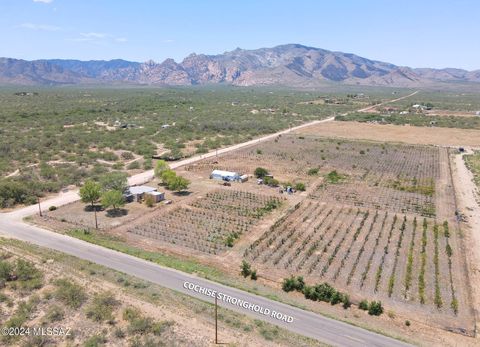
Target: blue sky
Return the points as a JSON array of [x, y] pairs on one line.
[[428, 33]]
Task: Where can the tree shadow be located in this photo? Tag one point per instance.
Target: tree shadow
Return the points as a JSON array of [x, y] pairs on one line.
[[182, 193], [90, 208], [118, 212]]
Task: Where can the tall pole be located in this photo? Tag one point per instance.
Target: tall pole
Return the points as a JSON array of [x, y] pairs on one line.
[[39, 207], [216, 321], [95, 211]]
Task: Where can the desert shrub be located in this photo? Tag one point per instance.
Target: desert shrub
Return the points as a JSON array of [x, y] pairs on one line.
[[312, 171], [131, 313], [54, 314], [346, 303], [334, 177], [37, 341], [119, 333], [300, 186], [21, 315], [133, 165], [5, 270], [253, 275], [140, 325], [363, 305], [293, 283], [375, 308], [324, 292], [149, 201], [127, 155], [95, 341], [147, 164], [102, 307], [70, 293], [28, 275], [407, 323], [246, 269], [52, 208], [336, 298], [158, 328]]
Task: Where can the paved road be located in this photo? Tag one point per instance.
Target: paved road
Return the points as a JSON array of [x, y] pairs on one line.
[[305, 323]]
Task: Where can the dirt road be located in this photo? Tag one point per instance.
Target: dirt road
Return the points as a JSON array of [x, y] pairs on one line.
[[366, 109], [467, 195]]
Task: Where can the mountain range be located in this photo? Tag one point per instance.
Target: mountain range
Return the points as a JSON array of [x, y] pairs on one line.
[[288, 65]]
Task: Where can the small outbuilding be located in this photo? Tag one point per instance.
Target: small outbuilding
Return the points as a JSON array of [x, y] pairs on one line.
[[224, 175], [157, 196]]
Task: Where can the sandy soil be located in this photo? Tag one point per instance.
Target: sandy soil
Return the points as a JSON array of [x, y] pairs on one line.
[[396, 133], [467, 195], [193, 321], [450, 113]]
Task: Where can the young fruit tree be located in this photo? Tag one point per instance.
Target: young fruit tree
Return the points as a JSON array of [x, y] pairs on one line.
[[90, 193], [113, 198], [160, 168]]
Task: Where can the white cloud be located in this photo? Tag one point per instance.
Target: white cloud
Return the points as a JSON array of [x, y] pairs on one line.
[[93, 35], [168, 41], [44, 1], [44, 27], [98, 38]]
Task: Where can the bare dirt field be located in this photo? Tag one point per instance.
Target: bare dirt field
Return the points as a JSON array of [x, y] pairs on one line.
[[395, 133], [451, 113]]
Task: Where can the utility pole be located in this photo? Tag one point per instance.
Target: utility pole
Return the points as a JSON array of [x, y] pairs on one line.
[[216, 321], [39, 207], [95, 212]]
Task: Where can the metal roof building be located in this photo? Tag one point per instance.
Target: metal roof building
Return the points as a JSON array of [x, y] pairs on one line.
[[224, 175], [139, 190]]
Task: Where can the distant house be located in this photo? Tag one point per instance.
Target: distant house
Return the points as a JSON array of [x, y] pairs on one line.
[[224, 175], [477, 113], [137, 193]]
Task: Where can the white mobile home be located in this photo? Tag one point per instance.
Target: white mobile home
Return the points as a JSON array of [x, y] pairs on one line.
[[224, 175]]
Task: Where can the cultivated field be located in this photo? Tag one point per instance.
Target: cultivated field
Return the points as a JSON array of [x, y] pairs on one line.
[[209, 224], [378, 222]]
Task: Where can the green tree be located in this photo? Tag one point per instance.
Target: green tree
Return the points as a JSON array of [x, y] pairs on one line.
[[260, 172], [113, 198], [90, 193], [160, 168], [167, 176], [114, 181], [178, 183]]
